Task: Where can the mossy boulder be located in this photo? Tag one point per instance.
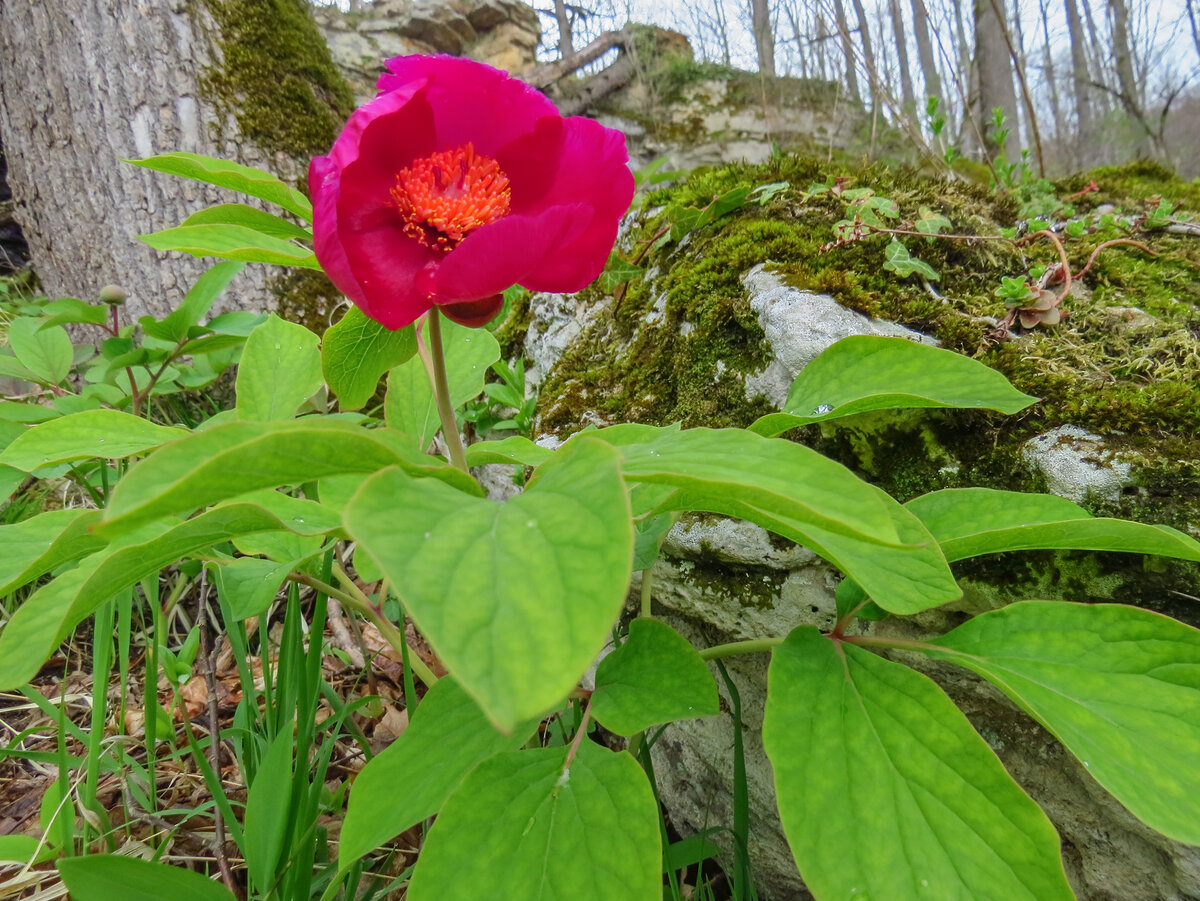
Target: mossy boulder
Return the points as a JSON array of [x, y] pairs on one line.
[[1117, 429]]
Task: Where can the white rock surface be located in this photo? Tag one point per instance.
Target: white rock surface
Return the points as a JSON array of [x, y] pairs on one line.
[[799, 325], [1076, 464]]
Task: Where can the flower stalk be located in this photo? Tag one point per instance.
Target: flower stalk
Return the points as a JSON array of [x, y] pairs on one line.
[[441, 391]]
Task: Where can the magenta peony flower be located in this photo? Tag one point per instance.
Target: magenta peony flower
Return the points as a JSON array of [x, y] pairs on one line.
[[457, 182]]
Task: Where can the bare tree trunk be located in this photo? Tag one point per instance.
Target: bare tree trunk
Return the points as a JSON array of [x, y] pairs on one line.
[[906, 85], [798, 37], [1051, 78], [847, 50], [864, 32], [764, 38], [125, 78], [995, 77], [1099, 49], [1126, 82], [566, 41], [1080, 83], [929, 72], [1193, 19]]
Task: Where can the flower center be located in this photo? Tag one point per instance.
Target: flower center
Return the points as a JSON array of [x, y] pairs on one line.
[[445, 196]]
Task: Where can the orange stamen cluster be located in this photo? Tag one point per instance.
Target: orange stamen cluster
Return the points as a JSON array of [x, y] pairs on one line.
[[445, 196]]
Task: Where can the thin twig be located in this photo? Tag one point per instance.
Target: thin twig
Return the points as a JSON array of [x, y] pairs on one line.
[[214, 729]]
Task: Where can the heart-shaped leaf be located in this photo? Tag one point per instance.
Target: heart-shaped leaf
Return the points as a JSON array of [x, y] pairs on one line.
[[516, 598], [885, 790], [1119, 686], [522, 826]]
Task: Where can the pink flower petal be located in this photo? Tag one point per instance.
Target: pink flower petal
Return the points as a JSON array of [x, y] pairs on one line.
[[323, 187], [470, 101], [593, 168], [507, 252]]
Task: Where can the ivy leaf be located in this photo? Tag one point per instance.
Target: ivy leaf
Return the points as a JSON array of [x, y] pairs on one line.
[[521, 827], [865, 372], [655, 677], [900, 262], [447, 737], [885, 790], [931, 223], [516, 598], [1119, 686], [617, 272]]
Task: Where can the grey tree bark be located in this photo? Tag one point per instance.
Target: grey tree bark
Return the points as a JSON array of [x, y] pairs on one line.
[[84, 83], [764, 37], [995, 88], [906, 85], [929, 71], [1129, 92], [1080, 83], [566, 40], [864, 33], [843, 28]]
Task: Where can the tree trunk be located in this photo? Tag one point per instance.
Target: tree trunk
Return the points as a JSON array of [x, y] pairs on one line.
[[864, 32], [995, 78], [566, 40], [906, 85], [1127, 84], [764, 38], [1051, 78], [847, 50], [129, 79], [1080, 83], [1194, 19], [929, 72]]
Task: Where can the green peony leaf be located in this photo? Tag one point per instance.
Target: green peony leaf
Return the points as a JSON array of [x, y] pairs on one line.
[[249, 584], [226, 174], [655, 677], [35, 546], [516, 598], [235, 457], [280, 370], [799, 494], [46, 352], [195, 305], [410, 406], [968, 522], [864, 372], [1119, 686], [885, 790], [519, 827], [52, 611], [517, 449], [447, 737], [110, 877], [251, 218], [231, 242], [357, 351], [109, 434]]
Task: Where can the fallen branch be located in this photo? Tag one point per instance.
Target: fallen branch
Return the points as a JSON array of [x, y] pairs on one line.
[[541, 77]]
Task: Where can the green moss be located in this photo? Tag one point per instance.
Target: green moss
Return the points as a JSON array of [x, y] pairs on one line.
[[305, 296], [276, 76]]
